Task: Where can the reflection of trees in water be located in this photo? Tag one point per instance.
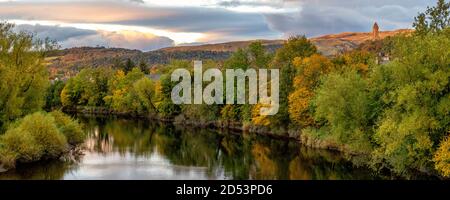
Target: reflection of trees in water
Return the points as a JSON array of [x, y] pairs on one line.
[[323, 165], [119, 135], [39, 171], [236, 156], [239, 156], [189, 147]]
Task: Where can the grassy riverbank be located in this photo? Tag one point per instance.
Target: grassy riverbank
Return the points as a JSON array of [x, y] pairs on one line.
[[40, 136]]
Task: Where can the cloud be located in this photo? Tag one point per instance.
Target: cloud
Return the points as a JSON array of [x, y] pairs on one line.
[[329, 16], [122, 39], [54, 32], [72, 37], [215, 20]]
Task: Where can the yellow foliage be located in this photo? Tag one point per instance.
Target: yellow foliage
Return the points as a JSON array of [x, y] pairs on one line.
[[299, 106], [65, 97], [442, 157], [257, 118], [358, 60], [309, 70]]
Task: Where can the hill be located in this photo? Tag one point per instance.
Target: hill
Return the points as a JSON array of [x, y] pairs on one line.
[[68, 61]]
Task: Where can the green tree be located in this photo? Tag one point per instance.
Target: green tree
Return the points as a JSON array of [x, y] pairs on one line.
[[414, 94], [53, 95], [434, 19], [143, 66], [342, 104], [258, 56], [87, 88], [23, 73], [145, 90], [129, 65]]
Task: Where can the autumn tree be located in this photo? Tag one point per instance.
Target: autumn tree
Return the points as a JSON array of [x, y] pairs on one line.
[[295, 47], [308, 73]]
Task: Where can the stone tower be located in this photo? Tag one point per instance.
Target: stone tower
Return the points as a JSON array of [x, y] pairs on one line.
[[375, 31]]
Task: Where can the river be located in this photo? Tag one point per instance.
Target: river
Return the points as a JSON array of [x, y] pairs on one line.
[[118, 148]]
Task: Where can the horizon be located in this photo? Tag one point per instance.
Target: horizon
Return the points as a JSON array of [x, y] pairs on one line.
[[150, 25]]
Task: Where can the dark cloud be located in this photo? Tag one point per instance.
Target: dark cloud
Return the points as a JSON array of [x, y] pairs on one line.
[[54, 32], [137, 1], [205, 20], [330, 16], [221, 22], [232, 3]]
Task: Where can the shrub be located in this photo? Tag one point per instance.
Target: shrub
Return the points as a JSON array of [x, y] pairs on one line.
[[38, 136], [45, 133], [19, 145], [69, 127]]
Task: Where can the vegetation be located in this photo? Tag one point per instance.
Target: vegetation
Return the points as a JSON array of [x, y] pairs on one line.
[[23, 74], [397, 113], [26, 134], [39, 136]]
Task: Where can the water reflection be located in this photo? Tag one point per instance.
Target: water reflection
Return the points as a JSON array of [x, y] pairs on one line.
[[139, 149]]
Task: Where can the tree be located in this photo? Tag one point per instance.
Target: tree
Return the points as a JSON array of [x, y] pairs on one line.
[[238, 60], [434, 19], [129, 65], [143, 66], [258, 56], [298, 46], [146, 92], [120, 95], [23, 73], [415, 100], [342, 103], [87, 88], [308, 73], [358, 60], [53, 95]]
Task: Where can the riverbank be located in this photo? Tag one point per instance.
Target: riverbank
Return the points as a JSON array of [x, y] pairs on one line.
[[308, 140], [311, 139], [40, 136]]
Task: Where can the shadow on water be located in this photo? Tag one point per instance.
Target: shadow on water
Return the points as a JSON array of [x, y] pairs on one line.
[[119, 148]]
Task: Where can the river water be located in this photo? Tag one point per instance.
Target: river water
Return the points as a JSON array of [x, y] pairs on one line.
[[118, 148]]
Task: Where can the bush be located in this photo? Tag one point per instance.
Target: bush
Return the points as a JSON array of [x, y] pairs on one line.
[[19, 146], [45, 133], [39, 136], [68, 127]]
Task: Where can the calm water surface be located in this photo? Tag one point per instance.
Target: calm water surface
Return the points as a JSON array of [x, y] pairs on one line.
[[138, 149]]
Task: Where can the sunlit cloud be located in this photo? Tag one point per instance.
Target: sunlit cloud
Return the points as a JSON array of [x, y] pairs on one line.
[[204, 21], [178, 37]]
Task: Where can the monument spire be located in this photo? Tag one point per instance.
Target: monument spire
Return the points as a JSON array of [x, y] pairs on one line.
[[375, 31]]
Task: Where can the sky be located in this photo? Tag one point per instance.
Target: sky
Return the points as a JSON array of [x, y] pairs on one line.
[[152, 24]]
